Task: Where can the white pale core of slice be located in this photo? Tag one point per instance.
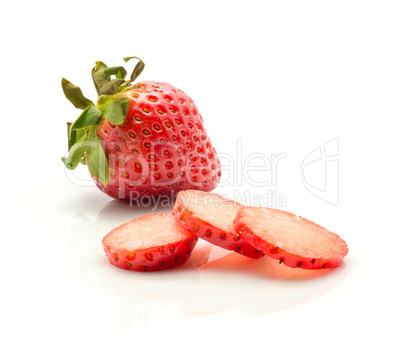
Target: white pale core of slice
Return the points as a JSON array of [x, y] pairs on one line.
[[293, 234], [211, 208], [145, 232]]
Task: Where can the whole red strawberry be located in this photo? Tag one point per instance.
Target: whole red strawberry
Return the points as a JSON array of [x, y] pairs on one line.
[[140, 140]]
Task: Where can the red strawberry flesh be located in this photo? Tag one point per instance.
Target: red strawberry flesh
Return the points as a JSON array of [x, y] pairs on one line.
[[150, 243], [294, 241], [211, 217]]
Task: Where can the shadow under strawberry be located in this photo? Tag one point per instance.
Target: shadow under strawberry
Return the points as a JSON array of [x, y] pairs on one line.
[[257, 286]]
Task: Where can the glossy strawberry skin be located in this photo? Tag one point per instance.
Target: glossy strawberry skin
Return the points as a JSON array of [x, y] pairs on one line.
[[161, 148], [152, 259], [227, 239], [161, 256]]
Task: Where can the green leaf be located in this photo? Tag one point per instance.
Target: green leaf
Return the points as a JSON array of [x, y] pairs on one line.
[[103, 99], [139, 67], [70, 139], [89, 117], [75, 153], [116, 111], [118, 71], [74, 94], [99, 77], [74, 136], [96, 158], [110, 87]]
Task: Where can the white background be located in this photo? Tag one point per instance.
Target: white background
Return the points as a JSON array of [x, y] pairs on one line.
[[284, 77]]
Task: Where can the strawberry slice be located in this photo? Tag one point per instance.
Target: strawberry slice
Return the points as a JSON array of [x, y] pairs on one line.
[[152, 242], [211, 217], [294, 241]]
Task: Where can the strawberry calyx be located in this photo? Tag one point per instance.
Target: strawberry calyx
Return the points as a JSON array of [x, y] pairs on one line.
[[83, 142]]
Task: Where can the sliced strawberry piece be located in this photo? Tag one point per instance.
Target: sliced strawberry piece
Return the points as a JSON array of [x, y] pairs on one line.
[[294, 241], [211, 217], [152, 242]]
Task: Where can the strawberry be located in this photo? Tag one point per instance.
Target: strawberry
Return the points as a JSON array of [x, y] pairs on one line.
[[152, 242], [211, 217], [294, 241], [142, 139]]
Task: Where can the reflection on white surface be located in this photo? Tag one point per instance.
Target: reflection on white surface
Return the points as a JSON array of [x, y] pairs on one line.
[[212, 281]]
